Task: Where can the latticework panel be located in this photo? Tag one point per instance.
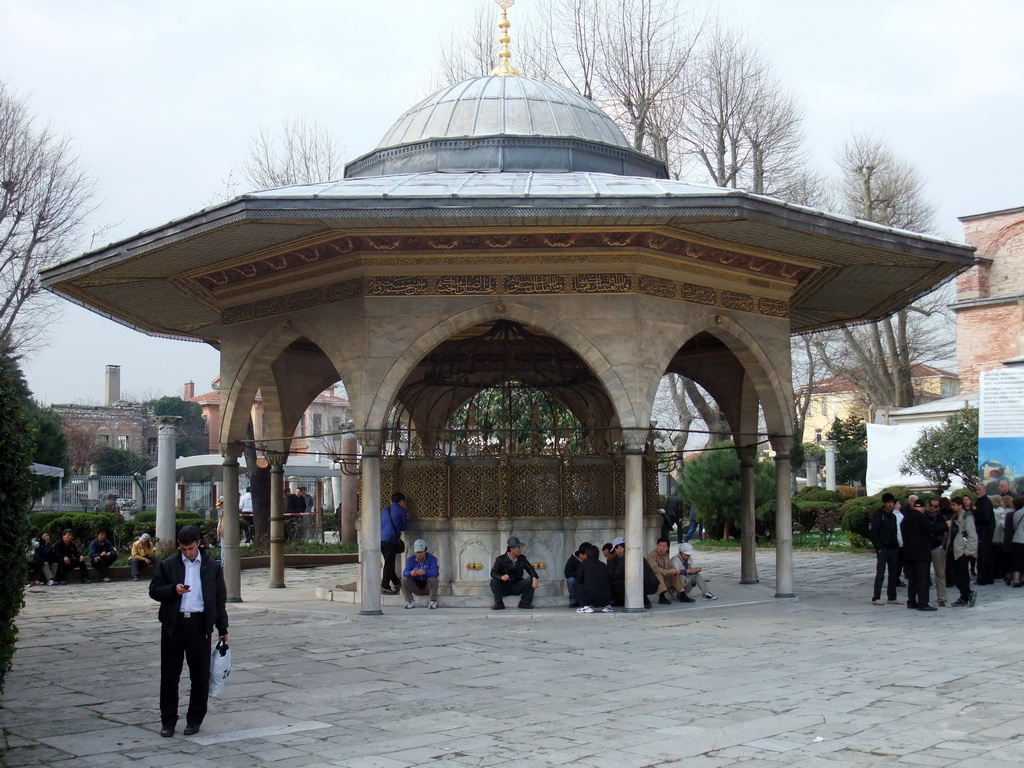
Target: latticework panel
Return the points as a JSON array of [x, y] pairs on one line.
[[477, 488], [425, 481], [588, 487], [533, 488]]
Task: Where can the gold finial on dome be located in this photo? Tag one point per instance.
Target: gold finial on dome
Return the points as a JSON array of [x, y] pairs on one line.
[[504, 68]]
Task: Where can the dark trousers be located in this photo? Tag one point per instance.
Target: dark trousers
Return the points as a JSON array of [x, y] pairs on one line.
[[102, 564], [523, 588], [62, 569], [390, 551], [887, 557], [986, 563], [138, 565], [188, 643], [918, 582], [962, 577]]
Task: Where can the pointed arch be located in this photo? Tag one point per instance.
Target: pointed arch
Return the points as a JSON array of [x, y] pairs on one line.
[[392, 381]]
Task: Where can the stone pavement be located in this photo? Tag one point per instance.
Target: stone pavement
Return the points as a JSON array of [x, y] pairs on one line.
[[823, 680]]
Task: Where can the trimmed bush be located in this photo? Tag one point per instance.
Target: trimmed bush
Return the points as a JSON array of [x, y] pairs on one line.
[[818, 494], [16, 451], [847, 492]]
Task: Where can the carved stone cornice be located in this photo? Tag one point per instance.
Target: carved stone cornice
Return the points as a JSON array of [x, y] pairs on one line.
[[585, 246], [508, 285]]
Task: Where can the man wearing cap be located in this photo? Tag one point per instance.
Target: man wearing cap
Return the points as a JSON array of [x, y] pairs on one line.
[[508, 576], [669, 576], [143, 555], [617, 575], [420, 575], [690, 571]]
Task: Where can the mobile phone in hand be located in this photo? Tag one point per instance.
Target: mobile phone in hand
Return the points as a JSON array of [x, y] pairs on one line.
[[186, 586]]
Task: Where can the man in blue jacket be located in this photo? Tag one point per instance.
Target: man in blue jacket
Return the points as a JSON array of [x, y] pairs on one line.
[[394, 519], [193, 600], [420, 575]]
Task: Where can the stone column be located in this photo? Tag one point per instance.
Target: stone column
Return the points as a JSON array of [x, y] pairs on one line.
[[812, 473], [94, 482], [276, 519], [748, 522], [830, 465], [137, 481], [783, 520], [165, 487], [348, 497], [634, 471], [369, 529], [230, 553]]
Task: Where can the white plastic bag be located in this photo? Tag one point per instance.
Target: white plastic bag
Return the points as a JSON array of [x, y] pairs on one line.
[[220, 667]]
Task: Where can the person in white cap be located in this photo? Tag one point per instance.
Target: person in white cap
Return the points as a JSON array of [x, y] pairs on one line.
[[420, 575], [684, 562], [143, 555]]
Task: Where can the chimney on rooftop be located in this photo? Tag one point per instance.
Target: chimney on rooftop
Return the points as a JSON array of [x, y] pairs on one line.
[[112, 390], [190, 390]]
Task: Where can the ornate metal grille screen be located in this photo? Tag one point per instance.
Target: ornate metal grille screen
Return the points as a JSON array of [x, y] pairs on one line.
[[579, 486]]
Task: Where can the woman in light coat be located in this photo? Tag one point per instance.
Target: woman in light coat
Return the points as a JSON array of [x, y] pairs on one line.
[[963, 543]]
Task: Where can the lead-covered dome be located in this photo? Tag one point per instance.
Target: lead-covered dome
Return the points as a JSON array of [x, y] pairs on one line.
[[493, 124]]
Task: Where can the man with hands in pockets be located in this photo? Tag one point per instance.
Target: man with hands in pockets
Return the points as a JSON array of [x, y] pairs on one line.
[[193, 599]]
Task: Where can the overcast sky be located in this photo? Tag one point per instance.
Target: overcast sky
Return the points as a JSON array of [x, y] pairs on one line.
[[161, 99]]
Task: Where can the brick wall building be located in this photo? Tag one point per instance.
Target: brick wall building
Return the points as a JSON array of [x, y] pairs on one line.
[[990, 296]]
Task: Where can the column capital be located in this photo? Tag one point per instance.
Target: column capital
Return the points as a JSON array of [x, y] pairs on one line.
[[277, 460], [230, 452], [370, 441], [634, 439], [167, 422]]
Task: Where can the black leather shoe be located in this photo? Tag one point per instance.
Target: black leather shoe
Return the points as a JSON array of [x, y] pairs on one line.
[[191, 730], [498, 607], [528, 606], [663, 599], [927, 608], [167, 731], [683, 598]]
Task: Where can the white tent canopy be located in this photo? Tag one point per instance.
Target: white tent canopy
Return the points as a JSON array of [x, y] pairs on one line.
[[208, 467], [45, 470]]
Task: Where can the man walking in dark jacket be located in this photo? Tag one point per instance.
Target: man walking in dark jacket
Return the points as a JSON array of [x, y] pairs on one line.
[[917, 555], [887, 548], [193, 599], [985, 523]]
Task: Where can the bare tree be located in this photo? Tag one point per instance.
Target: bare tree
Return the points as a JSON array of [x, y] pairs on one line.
[[876, 185], [44, 198], [741, 127], [303, 152], [645, 46], [468, 51], [878, 358]]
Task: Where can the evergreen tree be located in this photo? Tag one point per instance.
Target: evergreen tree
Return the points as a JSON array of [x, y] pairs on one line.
[[16, 444]]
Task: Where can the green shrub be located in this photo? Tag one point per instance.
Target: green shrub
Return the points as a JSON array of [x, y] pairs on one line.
[[818, 494], [149, 516], [16, 451], [959, 493], [856, 515]]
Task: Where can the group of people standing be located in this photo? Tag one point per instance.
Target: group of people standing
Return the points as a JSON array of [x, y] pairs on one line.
[[953, 539]]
